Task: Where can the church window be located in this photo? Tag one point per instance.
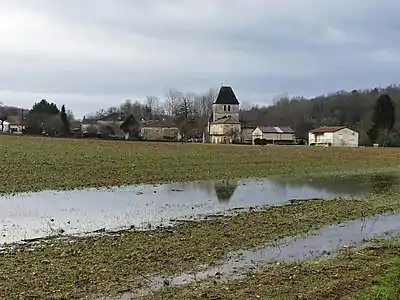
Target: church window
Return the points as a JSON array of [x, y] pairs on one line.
[[224, 107], [229, 108]]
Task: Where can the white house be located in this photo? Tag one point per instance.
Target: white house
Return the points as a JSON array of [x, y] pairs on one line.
[[340, 136], [4, 126], [274, 135]]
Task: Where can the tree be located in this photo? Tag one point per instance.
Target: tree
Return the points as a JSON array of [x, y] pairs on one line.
[[373, 134], [131, 126], [65, 121], [383, 118], [41, 116], [44, 107]]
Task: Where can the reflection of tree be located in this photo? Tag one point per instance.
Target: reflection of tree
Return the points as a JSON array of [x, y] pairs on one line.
[[224, 190], [348, 184]]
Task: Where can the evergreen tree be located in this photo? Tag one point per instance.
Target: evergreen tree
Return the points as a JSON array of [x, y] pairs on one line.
[[65, 121], [383, 118]]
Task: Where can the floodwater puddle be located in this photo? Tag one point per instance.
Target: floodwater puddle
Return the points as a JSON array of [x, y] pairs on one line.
[[41, 214], [323, 244]]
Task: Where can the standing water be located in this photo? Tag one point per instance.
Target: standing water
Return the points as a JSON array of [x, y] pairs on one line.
[[36, 215]]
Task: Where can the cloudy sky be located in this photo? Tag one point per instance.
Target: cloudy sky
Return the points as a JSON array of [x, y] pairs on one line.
[[91, 54]]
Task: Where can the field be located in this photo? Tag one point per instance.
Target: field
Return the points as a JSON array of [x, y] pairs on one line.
[[28, 164], [113, 264]]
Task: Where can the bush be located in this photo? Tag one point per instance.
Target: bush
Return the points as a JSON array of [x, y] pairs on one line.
[[260, 141]]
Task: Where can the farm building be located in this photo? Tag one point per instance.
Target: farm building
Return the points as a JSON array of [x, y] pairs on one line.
[[89, 125], [273, 135], [17, 123], [160, 130], [246, 134], [223, 125], [340, 136]]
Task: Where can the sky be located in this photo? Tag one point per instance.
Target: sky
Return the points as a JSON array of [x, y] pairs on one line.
[[92, 54]]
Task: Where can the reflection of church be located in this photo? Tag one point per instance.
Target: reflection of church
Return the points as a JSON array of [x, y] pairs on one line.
[[224, 190]]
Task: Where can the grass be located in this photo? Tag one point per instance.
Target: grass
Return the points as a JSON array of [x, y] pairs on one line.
[[386, 286], [112, 264], [34, 163], [323, 280]]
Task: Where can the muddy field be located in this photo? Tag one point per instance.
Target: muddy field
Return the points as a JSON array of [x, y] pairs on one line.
[[29, 163], [324, 232]]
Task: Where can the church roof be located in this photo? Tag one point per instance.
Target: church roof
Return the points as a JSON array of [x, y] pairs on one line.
[[226, 120], [226, 96]]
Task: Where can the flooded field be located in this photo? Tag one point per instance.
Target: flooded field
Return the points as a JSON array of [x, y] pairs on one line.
[[325, 243], [35, 215]]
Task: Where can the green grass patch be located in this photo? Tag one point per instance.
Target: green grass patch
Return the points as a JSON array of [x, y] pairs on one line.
[[386, 286], [34, 163], [112, 264]]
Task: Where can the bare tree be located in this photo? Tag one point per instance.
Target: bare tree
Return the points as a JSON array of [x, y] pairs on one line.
[[70, 115], [186, 106], [173, 102], [112, 110], [127, 107], [204, 101], [155, 106]]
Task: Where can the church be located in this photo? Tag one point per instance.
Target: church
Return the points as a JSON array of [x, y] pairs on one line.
[[223, 126]]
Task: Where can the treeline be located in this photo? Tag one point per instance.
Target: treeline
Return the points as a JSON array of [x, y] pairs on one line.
[[43, 117], [351, 108], [191, 112]]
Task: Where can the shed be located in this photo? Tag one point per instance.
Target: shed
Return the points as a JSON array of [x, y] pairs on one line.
[[274, 134]]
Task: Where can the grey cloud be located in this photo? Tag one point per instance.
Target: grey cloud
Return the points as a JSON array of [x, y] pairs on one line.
[[145, 47]]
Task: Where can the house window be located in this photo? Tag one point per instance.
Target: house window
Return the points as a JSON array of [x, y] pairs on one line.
[[224, 107], [229, 108]]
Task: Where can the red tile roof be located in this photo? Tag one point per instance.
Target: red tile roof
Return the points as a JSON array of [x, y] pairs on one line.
[[324, 129]]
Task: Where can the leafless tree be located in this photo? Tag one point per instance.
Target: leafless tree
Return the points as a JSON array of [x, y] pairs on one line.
[[70, 115], [173, 102], [155, 106], [204, 102], [186, 107]]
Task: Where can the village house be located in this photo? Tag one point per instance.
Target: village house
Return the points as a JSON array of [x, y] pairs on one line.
[[247, 133], [223, 125], [274, 135], [160, 130], [89, 125], [14, 124], [327, 136]]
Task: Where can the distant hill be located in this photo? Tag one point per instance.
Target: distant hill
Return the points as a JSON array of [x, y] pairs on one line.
[[352, 109]]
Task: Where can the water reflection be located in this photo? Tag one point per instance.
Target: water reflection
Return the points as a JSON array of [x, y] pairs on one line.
[[377, 183], [33, 215], [225, 189]]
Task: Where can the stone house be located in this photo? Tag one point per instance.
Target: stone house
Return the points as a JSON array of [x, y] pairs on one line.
[[327, 136], [89, 125], [247, 133], [223, 125], [159, 130]]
